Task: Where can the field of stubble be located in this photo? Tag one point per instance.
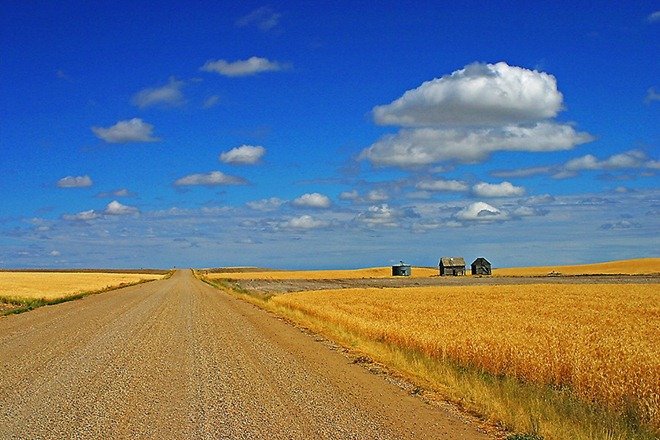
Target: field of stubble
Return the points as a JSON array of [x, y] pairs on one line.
[[588, 342]]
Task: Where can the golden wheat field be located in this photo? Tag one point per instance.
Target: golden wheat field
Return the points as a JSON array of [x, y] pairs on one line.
[[52, 285], [599, 340], [372, 272], [640, 266]]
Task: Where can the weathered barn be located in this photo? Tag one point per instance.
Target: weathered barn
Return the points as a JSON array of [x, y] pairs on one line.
[[401, 270], [481, 266], [452, 266]]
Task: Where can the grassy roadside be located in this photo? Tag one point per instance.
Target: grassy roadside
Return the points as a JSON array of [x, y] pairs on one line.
[[534, 411], [11, 305]]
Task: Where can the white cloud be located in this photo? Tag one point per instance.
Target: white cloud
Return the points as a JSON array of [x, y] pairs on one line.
[[479, 94], [628, 159], [54, 253], [525, 211], [116, 208], [210, 179], [211, 101], [75, 182], [251, 66], [654, 17], [471, 113], [652, 95], [270, 204], [349, 195], [504, 189], [61, 74], [481, 212], [522, 172], [631, 159], [425, 146], [384, 215], [264, 18], [380, 215], [377, 195], [653, 164], [304, 222], [169, 95], [243, 155], [442, 185], [122, 192], [82, 216], [374, 195], [133, 130], [313, 200]]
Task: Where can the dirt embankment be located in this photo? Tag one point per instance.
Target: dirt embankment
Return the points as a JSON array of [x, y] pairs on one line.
[[278, 286]]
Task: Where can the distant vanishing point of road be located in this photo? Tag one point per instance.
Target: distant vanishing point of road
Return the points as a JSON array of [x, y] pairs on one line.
[[177, 359]]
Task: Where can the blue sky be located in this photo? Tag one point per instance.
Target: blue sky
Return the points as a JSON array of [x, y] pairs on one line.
[[327, 134]]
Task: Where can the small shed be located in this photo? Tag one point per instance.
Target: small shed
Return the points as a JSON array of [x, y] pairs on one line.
[[481, 266], [452, 266], [401, 270]]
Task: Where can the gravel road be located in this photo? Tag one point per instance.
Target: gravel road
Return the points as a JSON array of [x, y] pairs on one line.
[[178, 359]]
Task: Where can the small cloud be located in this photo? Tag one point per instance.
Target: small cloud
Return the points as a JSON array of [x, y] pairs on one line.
[[75, 182], [243, 155], [214, 178], [544, 199], [54, 253], [264, 19], [82, 216], [522, 172], [313, 200], [251, 66], [504, 189], [632, 159], [380, 216], [481, 212], [270, 204], [133, 130], [374, 195], [627, 159], [349, 195], [377, 195], [211, 101], [527, 211], [651, 95], [122, 192], [168, 95], [654, 17], [61, 74], [441, 185], [620, 225], [116, 208], [304, 222]]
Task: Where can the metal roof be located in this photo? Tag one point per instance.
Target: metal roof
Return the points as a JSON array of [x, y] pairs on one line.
[[452, 261]]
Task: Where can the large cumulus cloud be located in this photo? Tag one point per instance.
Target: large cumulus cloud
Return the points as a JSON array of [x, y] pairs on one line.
[[479, 94], [467, 115]]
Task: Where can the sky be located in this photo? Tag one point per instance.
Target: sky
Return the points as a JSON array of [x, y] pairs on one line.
[[329, 134]]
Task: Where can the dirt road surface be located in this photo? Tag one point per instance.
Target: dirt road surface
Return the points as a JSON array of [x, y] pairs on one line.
[[178, 359]]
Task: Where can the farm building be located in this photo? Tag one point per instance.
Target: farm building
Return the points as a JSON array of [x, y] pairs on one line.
[[481, 266], [452, 266], [401, 270]]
